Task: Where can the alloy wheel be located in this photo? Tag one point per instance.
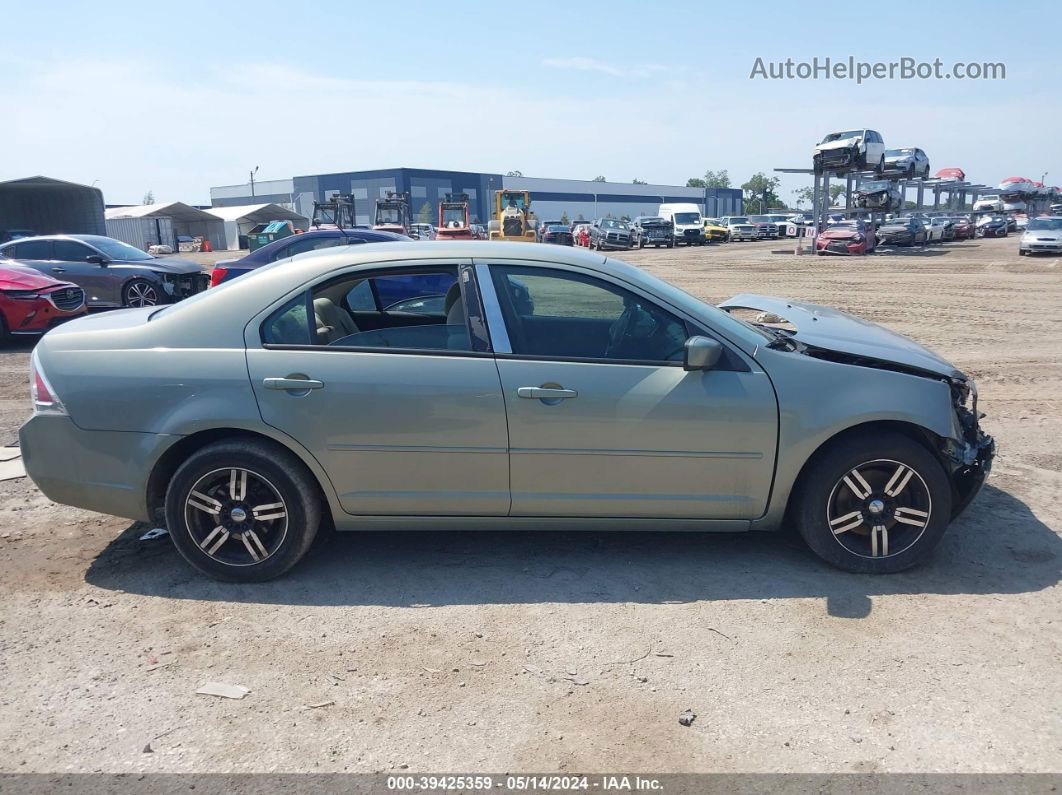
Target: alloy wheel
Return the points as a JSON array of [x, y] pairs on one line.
[[141, 294], [879, 509], [236, 516]]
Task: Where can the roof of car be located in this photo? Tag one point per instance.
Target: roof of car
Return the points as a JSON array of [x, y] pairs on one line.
[[83, 238]]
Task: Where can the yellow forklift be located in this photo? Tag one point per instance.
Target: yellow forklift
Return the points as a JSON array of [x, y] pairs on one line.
[[513, 219]]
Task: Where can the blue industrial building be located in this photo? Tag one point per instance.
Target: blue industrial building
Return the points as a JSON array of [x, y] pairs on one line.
[[550, 198]]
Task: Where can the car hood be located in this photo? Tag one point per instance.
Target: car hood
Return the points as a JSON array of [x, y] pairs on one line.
[[833, 330], [1039, 234], [844, 143], [839, 234], [164, 265], [17, 277]]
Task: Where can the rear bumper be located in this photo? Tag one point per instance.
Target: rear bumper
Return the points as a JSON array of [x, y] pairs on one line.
[[104, 471]]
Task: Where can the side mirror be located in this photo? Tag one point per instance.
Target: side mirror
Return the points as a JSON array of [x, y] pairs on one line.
[[701, 353], [96, 259]]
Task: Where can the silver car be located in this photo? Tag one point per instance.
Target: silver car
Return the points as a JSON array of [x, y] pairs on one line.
[[515, 386], [909, 161]]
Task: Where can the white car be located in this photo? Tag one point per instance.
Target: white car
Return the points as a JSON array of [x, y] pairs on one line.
[[934, 229], [422, 231], [850, 150]]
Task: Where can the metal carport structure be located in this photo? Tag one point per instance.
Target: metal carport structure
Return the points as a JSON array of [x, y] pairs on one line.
[[49, 206], [143, 225], [241, 219]]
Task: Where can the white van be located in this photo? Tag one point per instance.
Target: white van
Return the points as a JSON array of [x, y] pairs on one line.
[[686, 219]]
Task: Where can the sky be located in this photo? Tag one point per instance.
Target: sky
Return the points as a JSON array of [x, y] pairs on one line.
[[176, 98]]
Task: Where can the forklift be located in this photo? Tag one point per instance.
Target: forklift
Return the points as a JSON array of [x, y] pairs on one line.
[[453, 218], [334, 213], [393, 213]]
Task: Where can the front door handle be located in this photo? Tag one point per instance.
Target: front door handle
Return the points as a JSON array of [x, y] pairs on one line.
[[292, 384], [58, 270], [546, 393]]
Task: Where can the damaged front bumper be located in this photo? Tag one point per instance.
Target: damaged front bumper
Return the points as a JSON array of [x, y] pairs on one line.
[[970, 456]]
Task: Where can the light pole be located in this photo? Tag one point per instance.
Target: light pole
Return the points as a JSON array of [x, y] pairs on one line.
[[253, 172]]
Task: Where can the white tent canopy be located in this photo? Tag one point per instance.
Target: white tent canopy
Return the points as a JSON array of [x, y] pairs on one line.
[[178, 211], [144, 225], [240, 219]]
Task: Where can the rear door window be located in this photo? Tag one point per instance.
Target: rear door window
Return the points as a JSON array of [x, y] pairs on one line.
[[34, 249]]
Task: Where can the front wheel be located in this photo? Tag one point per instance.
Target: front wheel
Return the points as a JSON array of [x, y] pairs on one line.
[[140, 292], [873, 503], [243, 511]]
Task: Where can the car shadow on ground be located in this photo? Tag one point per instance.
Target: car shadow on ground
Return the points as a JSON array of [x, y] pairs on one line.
[[911, 251], [18, 344], [997, 547]]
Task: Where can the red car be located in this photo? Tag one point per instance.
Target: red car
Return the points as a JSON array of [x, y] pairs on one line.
[[581, 235], [964, 229], [31, 303], [847, 237]]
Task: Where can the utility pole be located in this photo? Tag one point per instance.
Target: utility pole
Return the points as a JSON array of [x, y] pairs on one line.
[[253, 172]]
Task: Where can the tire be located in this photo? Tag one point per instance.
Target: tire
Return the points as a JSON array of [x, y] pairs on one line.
[[641, 244], [909, 497], [201, 493], [140, 292], [670, 245], [5, 336]]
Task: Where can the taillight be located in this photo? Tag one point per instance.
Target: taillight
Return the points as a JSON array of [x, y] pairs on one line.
[[45, 401], [217, 276]]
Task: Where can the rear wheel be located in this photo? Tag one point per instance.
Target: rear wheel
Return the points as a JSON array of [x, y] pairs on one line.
[[873, 503], [4, 335], [140, 292], [243, 511]]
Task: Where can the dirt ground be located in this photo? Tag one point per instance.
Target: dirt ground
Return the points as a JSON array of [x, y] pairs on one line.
[[494, 652]]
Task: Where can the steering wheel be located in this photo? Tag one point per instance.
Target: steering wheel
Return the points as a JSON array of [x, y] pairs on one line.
[[629, 326]]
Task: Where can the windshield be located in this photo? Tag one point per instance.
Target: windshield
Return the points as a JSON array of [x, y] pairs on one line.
[[611, 223], [388, 215], [869, 187], [453, 216], [116, 249], [687, 218], [557, 228], [512, 201], [839, 136], [1045, 225], [739, 219], [759, 219], [652, 221]]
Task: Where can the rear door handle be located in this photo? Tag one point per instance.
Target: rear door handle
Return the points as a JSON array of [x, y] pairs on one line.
[[292, 384], [546, 393]]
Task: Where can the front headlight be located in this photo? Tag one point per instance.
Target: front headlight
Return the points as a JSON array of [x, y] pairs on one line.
[[21, 295]]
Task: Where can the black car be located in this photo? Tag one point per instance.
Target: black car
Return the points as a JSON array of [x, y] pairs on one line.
[[902, 232], [610, 233], [996, 226], [111, 273], [540, 231], [558, 233], [298, 244], [652, 230]]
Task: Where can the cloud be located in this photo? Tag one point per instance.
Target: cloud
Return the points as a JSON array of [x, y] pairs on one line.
[[581, 64]]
